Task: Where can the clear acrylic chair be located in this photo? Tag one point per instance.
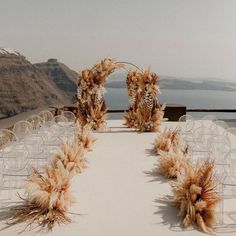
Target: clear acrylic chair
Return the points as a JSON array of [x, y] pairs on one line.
[[219, 127], [7, 138], [36, 121], [207, 121], [200, 144], [37, 153], [22, 128], [14, 171], [59, 119], [229, 181], [46, 115], [64, 128], [186, 124], [70, 116], [231, 132]]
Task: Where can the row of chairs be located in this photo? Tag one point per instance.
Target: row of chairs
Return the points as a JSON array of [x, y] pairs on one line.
[[210, 137], [30, 143]]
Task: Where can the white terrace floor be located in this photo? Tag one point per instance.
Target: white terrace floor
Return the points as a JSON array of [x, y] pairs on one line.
[[119, 194]]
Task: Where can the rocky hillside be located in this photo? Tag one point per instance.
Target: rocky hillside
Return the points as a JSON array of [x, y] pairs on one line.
[[62, 77], [25, 86]]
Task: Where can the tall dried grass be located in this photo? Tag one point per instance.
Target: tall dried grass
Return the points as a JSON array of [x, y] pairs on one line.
[[166, 140], [48, 199], [72, 156], [196, 196]]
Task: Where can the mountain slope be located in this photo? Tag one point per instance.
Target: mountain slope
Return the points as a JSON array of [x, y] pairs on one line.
[[60, 76], [25, 86]]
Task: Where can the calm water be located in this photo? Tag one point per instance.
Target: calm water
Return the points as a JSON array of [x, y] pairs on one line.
[[116, 98]]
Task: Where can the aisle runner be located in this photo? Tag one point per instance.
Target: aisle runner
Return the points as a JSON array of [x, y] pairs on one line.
[[116, 194]]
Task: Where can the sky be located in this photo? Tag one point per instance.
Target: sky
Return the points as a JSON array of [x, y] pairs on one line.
[[189, 38]]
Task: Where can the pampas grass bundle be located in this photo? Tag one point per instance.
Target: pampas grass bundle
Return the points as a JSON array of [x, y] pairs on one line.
[[195, 195], [132, 82], [48, 199], [166, 140], [130, 118], [85, 138], [149, 113], [71, 155], [90, 93], [173, 163]]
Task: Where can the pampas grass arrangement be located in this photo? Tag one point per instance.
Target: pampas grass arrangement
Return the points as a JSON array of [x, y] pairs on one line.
[[149, 113], [85, 138], [132, 82], [48, 195], [173, 163], [71, 155], [48, 199], [196, 197], [166, 140], [90, 93]]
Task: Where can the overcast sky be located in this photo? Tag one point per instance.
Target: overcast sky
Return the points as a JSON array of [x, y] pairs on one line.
[[174, 37]]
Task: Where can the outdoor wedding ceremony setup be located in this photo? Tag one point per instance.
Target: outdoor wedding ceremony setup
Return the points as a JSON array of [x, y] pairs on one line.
[[81, 173]]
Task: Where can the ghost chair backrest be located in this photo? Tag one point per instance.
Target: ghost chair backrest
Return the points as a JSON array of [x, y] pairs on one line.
[[46, 115], [59, 119], [36, 121], [186, 123], [220, 127], [22, 128], [7, 137], [208, 120], [70, 116], [232, 131], [230, 159]]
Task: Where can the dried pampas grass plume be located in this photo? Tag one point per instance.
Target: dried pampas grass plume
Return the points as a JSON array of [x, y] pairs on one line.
[[195, 195], [48, 199], [166, 140], [132, 82], [71, 155], [85, 138], [90, 93], [130, 119], [173, 163], [149, 113]]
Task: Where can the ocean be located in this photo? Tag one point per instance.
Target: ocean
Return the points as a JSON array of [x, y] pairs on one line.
[[116, 98]]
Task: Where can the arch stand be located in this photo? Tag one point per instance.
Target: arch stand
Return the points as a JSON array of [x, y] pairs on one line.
[[144, 114]]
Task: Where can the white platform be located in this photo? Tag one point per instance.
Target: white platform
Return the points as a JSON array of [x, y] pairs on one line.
[[119, 195]]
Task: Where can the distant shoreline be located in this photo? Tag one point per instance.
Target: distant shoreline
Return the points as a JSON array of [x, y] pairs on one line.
[[189, 89]]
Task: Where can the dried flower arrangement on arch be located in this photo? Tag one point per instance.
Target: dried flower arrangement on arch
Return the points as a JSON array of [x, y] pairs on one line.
[[132, 82], [90, 94], [149, 113]]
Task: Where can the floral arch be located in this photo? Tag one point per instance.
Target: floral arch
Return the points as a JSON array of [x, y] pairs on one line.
[[144, 112]]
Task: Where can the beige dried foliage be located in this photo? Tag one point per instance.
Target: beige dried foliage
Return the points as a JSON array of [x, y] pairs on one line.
[[149, 114], [132, 82], [48, 199], [72, 156], [85, 138], [90, 93], [97, 117], [103, 69], [157, 118], [166, 140], [173, 163], [196, 196], [130, 119]]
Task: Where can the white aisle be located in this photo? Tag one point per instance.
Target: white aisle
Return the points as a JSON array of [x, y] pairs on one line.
[[118, 194]]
